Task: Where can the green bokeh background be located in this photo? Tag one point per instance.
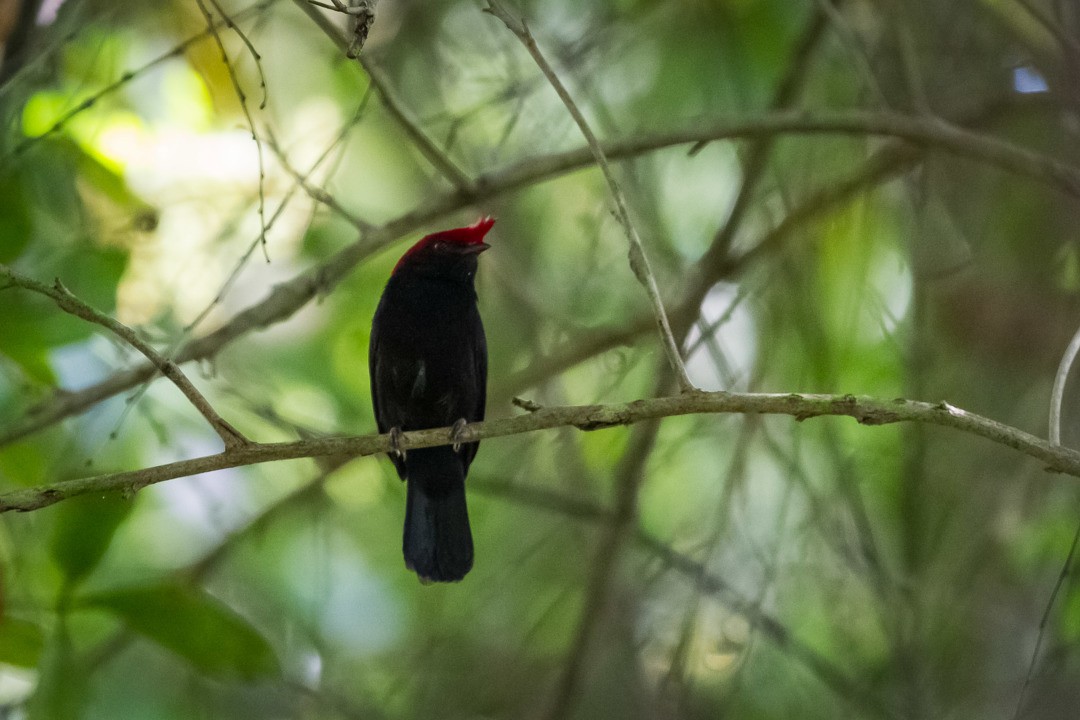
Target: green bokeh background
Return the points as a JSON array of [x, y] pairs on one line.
[[770, 569]]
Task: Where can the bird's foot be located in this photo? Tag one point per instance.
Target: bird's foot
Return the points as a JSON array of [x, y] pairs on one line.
[[395, 443], [457, 433]]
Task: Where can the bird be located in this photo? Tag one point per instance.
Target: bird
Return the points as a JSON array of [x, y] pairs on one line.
[[428, 365]]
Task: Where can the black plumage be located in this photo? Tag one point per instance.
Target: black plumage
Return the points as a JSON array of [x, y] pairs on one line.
[[428, 366]]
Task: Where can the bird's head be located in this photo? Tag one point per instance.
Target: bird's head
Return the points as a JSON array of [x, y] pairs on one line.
[[449, 252]]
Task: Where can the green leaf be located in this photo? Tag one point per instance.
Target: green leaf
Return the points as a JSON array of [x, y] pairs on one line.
[[15, 222], [33, 326], [23, 463], [21, 332], [63, 682], [1070, 617], [196, 626], [84, 530], [95, 275], [1067, 262], [21, 642]]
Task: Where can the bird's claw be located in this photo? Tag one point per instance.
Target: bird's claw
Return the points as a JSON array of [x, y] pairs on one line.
[[395, 443], [457, 433]]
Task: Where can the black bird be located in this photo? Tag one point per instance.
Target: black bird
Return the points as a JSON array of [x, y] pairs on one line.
[[428, 365]]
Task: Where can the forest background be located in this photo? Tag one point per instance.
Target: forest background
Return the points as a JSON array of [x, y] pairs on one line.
[[862, 215]]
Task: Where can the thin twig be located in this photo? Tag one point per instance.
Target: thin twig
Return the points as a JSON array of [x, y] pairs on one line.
[[241, 96], [1045, 622], [427, 147], [629, 474], [315, 193], [361, 14], [288, 297], [301, 181], [67, 302], [831, 675], [255, 56], [1058, 393], [128, 76], [639, 261], [1067, 361], [786, 94]]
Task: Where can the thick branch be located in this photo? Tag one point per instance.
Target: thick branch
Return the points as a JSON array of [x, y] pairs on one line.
[[715, 265], [427, 147], [867, 410], [288, 297], [757, 154]]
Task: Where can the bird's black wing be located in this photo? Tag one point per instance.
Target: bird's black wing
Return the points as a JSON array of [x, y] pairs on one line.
[[382, 387], [479, 362], [481, 372]]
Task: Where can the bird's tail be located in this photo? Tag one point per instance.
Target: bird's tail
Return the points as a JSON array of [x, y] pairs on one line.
[[437, 543]]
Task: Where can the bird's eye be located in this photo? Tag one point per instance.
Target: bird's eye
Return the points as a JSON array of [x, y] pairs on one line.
[[438, 246]]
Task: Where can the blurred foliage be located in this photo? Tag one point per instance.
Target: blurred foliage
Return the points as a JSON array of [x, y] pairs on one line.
[[772, 570]]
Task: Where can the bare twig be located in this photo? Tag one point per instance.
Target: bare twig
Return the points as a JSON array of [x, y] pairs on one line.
[[628, 476], [708, 581], [301, 181], [639, 261], [1066, 364], [427, 147], [1044, 623], [241, 96], [361, 14], [786, 94], [1056, 396], [868, 411], [288, 297], [255, 56], [67, 302], [315, 193]]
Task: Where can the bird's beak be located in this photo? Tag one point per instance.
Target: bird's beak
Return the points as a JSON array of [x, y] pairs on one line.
[[472, 248]]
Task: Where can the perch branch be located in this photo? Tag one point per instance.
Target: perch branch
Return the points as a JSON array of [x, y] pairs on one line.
[[866, 410], [288, 297]]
